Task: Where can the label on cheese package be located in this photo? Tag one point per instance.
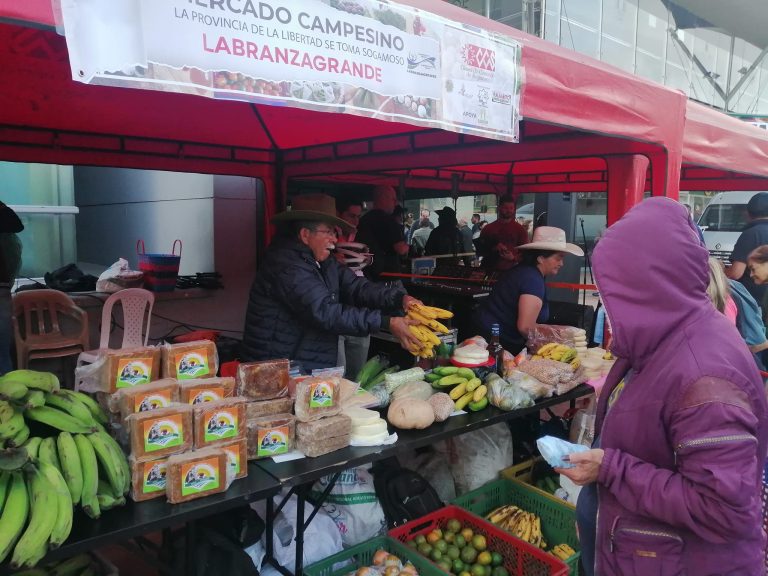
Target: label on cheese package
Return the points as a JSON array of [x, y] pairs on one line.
[[220, 424], [192, 364], [273, 442], [153, 475], [133, 372], [320, 395], [233, 457], [151, 401], [208, 395], [164, 432], [200, 476]]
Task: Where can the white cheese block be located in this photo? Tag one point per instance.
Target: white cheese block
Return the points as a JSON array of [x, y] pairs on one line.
[[361, 416], [369, 439], [373, 429]]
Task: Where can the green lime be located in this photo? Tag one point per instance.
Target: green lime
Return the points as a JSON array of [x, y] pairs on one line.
[[484, 558], [444, 565], [436, 555], [449, 537], [460, 541], [420, 539], [468, 555], [478, 570], [478, 542], [497, 559], [453, 553], [458, 566], [441, 545], [499, 571], [425, 549], [454, 525]]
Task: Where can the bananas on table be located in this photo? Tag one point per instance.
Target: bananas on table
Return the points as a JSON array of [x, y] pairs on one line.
[[526, 526], [54, 455], [559, 353], [428, 324]]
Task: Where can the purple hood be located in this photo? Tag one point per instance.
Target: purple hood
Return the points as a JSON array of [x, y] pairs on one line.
[[685, 438], [652, 274]]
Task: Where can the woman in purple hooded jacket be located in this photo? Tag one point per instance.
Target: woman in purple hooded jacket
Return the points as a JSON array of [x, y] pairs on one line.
[[681, 421]]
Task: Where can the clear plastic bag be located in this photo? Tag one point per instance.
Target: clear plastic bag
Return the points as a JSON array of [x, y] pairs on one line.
[[553, 449], [507, 395], [534, 387], [545, 333]]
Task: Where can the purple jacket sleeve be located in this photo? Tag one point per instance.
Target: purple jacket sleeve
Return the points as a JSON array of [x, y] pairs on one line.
[[713, 486]]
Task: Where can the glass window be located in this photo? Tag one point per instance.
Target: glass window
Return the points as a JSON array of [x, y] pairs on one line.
[[724, 218], [476, 6], [583, 40], [620, 21], [652, 23], [649, 66], [618, 54], [552, 21], [584, 12], [503, 9]]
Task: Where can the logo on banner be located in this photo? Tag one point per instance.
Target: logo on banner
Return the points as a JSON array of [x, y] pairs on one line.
[[477, 57], [422, 65], [502, 98], [483, 97]]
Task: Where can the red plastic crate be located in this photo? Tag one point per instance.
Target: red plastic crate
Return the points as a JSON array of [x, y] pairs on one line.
[[520, 558]]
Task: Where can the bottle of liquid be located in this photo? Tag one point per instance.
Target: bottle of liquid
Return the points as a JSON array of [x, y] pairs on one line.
[[496, 350]]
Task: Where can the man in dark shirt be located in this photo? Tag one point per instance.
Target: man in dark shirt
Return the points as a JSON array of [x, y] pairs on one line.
[[755, 234], [499, 240], [382, 234], [10, 262]]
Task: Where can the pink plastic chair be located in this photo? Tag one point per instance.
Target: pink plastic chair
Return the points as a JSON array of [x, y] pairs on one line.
[[137, 313]]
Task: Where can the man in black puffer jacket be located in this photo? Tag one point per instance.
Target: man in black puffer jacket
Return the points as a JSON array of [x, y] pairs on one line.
[[302, 300]]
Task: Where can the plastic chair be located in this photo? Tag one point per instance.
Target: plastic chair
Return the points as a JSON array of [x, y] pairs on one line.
[[137, 310], [41, 320]]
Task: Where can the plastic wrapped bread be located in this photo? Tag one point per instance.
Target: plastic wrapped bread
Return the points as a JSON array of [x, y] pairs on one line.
[[271, 435], [338, 425], [201, 390], [197, 474], [269, 407], [160, 432], [148, 479], [116, 369], [263, 380], [314, 447], [219, 422], [237, 456], [152, 396], [190, 360], [317, 398]]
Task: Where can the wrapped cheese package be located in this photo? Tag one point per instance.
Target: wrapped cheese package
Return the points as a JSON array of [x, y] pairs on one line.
[[201, 390], [314, 447], [157, 394], [271, 435], [160, 432], [237, 456], [219, 422], [197, 474], [269, 407], [190, 360], [116, 369], [317, 398], [148, 479], [325, 427], [263, 380]]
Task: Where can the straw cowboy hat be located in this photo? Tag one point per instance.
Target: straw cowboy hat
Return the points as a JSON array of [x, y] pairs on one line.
[[313, 208], [551, 238]]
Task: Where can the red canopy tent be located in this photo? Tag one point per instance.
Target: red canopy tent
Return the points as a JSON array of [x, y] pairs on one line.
[[580, 116]]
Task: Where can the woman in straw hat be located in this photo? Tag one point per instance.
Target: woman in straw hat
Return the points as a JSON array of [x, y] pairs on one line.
[[519, 299], [302, 300]]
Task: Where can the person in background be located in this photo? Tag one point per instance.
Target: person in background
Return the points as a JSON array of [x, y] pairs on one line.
[[499, 240], [519, 299], [475, 220], [420, 237], [353, 350], [302, 299], [673, 481], [466, 236], [382, 234], [446, 238], [10, 263], [408, 222], [755, 234], [423, 215], [757, 265]]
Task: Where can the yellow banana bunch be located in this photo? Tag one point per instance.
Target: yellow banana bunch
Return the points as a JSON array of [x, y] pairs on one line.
[[430, 311], [558, 352], [426, 318], [563, 551], [524, 525]]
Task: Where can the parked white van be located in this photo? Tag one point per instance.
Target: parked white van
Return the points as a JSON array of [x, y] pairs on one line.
[[722, 222]]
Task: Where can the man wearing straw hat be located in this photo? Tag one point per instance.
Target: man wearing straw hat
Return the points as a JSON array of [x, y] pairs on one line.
[[302, 299]]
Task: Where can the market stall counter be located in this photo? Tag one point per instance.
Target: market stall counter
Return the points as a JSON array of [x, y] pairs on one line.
[[136, 519], [300, 474]]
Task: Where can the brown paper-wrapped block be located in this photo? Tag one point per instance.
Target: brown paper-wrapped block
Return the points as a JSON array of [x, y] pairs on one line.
[[262, 408], [160, 432], [317, 398], [338, 425], [202, 390], [237, 456], [152, 396], [263, 380], [314, 447], [219, 422], [270, 435], [131, 367], [197, 474], [148, 479], [190, 360]]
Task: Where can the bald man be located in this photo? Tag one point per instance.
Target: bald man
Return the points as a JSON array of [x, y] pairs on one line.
[[384, 236]]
